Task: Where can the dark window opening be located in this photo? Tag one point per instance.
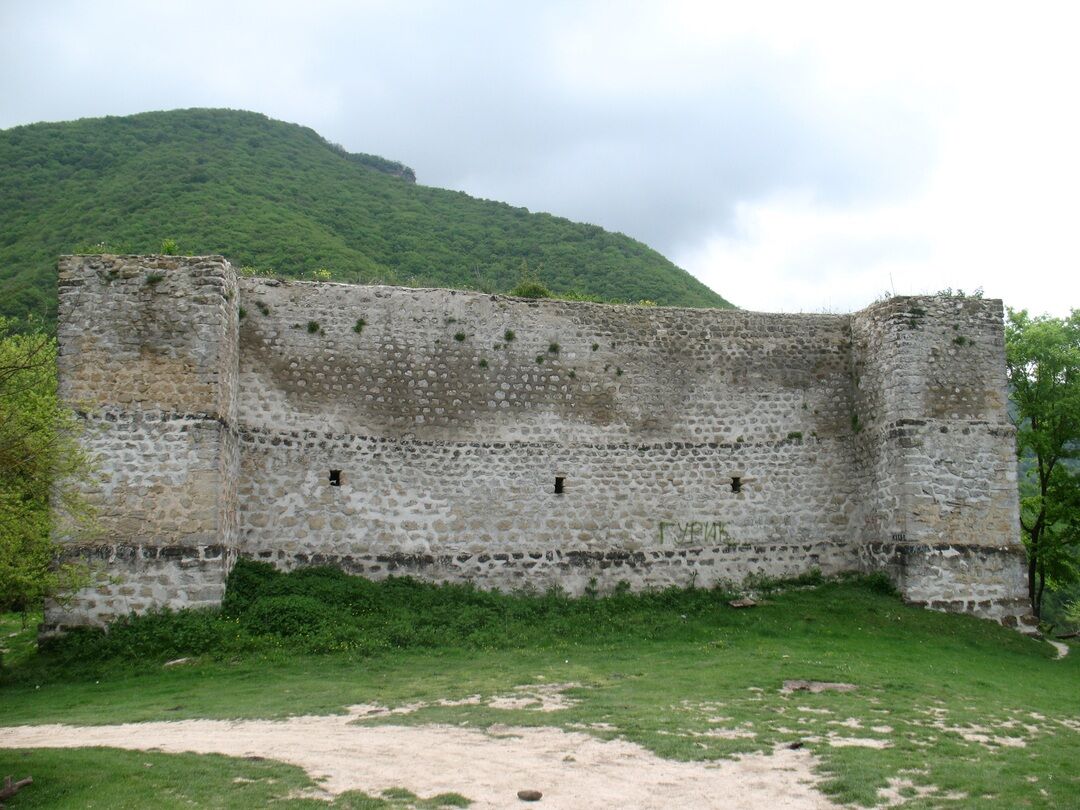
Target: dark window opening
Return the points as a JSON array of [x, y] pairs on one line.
[[736, 484], [335, 478], [559, 484]]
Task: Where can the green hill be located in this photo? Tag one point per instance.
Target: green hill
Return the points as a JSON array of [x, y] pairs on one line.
[[279, 196]]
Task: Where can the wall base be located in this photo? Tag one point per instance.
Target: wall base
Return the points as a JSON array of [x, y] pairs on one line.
[[993, 579], [576, 571], [139, 578]]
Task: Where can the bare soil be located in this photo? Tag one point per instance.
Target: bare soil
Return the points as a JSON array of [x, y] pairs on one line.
[[572, 769]]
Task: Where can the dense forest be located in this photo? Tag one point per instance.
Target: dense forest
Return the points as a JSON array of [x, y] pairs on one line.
[[281, 198]]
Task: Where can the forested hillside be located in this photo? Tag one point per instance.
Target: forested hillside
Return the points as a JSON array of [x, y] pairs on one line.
[[278, 196]]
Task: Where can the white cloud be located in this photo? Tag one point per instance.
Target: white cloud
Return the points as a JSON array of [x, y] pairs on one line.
[[793, 155]]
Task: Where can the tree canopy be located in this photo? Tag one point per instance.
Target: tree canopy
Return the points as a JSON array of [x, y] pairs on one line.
[[1043, 359], [278, 196], [40, 457]]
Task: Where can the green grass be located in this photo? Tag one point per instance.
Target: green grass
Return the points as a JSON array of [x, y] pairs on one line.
[[278, 198], [112, 779], [664, 670]]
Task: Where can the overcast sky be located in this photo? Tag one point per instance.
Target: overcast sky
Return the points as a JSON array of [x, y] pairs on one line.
[[803, 156]]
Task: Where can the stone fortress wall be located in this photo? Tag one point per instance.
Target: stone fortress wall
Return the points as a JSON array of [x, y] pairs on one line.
[[454, 435]]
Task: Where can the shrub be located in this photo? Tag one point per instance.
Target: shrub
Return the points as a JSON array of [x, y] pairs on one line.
[[248, 581], [307, 623], [291, 616], [531, 289], [169, 247], [152, 636]]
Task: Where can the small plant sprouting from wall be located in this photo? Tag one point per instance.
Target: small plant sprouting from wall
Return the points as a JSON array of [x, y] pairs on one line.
[[618, 371], [595, 346], [539, 359], [572, 373], [241, 313], [169, 247], [553, 348], [915, 315], [508, 336], [530, 289], [795, 435], [322, 274], [459, 337], [154, 278], [960, 340], [263, 308], [483, 363], [249, 271], [313, 327], [358, 327], [949, 292], [856, 425]]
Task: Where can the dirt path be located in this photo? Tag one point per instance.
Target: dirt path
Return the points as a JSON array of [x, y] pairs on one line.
[[572, 769]]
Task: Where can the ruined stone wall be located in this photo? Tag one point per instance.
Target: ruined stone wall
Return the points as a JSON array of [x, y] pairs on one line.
[[688, 445], [936, 454], [450, 415], [148, 357]]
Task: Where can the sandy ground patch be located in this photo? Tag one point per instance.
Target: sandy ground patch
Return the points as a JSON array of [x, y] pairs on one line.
[[1061, 647], [573, 769]]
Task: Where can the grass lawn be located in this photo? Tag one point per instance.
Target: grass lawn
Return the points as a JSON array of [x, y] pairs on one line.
[[969, 714]]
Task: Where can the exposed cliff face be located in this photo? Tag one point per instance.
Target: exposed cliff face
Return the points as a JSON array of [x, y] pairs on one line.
[[375, 163]]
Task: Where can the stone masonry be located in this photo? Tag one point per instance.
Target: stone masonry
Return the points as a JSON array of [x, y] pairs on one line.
[[517, 444]]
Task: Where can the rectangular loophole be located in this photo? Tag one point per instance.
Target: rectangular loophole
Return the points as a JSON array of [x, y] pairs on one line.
[[335, 478], [736, 484], [559, 480]]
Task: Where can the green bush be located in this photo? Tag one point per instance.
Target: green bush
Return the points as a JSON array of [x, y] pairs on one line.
[[247, 582], [307, 623], [531, 289], [290, 616], [153, 636]]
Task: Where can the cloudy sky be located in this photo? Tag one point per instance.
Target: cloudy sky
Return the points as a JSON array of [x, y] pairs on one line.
[[793, 156]]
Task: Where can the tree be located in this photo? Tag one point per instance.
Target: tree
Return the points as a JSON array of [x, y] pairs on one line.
[[40, 459], [1043, 360]]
